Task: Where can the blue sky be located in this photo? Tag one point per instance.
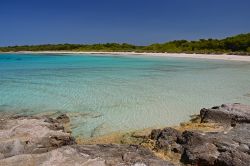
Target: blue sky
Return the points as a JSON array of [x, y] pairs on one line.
[[138, 22]]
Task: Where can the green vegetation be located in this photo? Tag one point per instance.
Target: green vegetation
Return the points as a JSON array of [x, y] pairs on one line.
[[239, 44]]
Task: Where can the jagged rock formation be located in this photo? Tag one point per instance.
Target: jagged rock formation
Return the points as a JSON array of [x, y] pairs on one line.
[[21, 135], [226, 113], [89, 155], [230, 147], [42, 141]]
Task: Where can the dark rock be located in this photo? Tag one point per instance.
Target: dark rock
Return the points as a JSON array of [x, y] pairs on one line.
[[50, 120], [176, 148], [63, 118], [167, 139], [61, 140], [244, 148], [230, 147], [155, 134], [170, 134], [198, 149], [222, 148], [233, 158], [54, 124], [226, 113]]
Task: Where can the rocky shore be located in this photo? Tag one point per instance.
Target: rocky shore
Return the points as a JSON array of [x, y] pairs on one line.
[[32, 141], [229, 147], [218, 136]]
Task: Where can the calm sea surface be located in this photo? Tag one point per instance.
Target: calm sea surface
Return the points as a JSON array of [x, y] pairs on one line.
[[103, 94]]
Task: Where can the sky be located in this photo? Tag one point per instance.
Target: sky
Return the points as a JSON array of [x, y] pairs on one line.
[[140, 22]]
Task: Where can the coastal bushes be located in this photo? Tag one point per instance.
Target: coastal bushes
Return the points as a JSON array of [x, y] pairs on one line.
[[239, 44]]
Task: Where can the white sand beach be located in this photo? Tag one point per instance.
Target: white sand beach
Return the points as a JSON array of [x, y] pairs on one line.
[[180, 55]]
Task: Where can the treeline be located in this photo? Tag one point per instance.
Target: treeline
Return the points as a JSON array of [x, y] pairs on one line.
[[73, 47], [239, 44]]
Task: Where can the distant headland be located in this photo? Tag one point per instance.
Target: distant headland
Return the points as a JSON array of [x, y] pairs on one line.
[[236, 45]]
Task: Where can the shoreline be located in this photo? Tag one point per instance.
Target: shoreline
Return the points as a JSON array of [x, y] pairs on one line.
[[217, 135], [174, 55]]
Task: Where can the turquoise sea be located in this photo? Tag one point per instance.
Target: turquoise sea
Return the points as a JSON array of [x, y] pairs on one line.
[[103, 94]]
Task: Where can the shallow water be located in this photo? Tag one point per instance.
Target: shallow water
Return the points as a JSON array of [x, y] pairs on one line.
[[103, 94]]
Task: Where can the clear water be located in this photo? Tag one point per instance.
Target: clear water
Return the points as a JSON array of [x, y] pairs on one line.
[[103, 94]]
